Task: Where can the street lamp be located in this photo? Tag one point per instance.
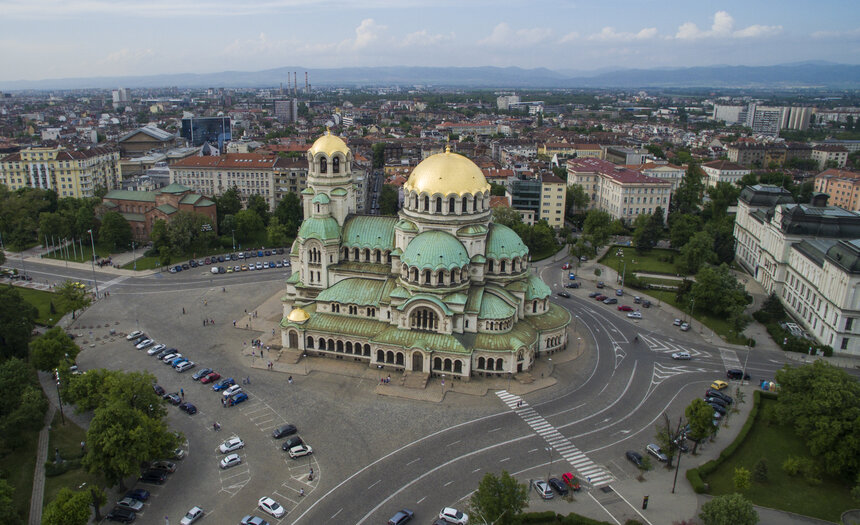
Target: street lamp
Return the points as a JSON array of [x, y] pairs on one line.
[[60, 399], [233, 233], [549, 469], [93, 261], [133, 255]]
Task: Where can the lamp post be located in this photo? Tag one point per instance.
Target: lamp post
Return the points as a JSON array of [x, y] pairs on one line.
[[233, 233], [93, 261], [133, 255], [60, 399], [744, 375], [549, 468]]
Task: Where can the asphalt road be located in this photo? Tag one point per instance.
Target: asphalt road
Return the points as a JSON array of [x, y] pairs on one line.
[[376, 454]]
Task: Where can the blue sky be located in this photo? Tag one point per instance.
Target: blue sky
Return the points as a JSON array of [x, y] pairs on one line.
[[83, 38]]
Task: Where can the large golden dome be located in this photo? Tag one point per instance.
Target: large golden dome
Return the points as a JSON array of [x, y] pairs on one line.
[[447, 173], [329, 144], [298, 315]]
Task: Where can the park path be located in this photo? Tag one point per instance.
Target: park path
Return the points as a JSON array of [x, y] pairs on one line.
[[39, 474]]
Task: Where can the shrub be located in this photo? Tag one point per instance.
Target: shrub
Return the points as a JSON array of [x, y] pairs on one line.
[[56, 469], [792, 465], [760, 470], [741, 478]]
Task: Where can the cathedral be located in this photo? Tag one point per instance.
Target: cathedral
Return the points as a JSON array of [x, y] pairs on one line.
[[439, 289]]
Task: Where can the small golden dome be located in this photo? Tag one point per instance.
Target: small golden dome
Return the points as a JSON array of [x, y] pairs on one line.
[[447, 173], [329, 144], [297, 315]]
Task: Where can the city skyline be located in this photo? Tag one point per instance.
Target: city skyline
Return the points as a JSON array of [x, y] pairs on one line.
[[51, 39]]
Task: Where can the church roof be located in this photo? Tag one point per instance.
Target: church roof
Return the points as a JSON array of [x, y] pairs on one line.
[[361, 292], [322, 228], [369, 231], [338, 192], [329, 144], [435, 250], [322, 198], [174, 188], [424, 340], [537, 289], [446, 174], [504, 243], [493, 307], [522, 334], [427, 297]]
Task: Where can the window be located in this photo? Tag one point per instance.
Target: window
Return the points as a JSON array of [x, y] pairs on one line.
[[844, 345], [849, 322]]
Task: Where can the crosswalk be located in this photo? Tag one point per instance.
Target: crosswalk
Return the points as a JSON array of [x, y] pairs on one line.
[[668, 347], [730, 358], [585, 468]]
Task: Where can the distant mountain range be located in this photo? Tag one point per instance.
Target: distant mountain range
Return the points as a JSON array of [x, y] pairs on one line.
[[797, 75]]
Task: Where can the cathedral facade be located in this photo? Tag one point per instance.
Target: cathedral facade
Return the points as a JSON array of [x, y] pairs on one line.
[[440, 289]]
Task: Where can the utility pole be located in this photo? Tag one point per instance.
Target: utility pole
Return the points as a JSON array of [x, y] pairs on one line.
[[93, 261], [678, 448]]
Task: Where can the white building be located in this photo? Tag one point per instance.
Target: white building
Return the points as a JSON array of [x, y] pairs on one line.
[[723, 171]]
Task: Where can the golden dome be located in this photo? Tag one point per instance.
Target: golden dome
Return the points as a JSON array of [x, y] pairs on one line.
[[447, 173], [329, 144], [297, 315]]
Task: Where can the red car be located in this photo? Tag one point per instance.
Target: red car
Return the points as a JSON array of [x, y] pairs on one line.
[[625, 308], [566, 266], [600, 297], [214, 376]]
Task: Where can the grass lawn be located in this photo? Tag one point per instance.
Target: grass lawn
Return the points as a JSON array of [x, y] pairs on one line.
[[655, 280], [775, 443], [42, 301], [144, 263], [18, 466], [77, 256], [539, 256], [717, 324], [641, 262], [68, 439]]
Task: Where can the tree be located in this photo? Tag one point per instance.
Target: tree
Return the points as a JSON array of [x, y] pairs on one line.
[[597, 227], [655, 150], [666, 438], [51, 348], [68, 508], [698, 251], [718, 291], [378, 150], [388, 200], [17, 319], [7, 503], [51, 225], [700, 417], [260, 206], [507, 216], [731, 509], [682, 228], [289, 213], [159, 234], [2, 257], [760, 470], [72, 297], [115, 230], [98, 498], [722, 230], [229, 203], [687, 198], [497, 189], [741, 478], [185, 232], [722, 196], [577, 198], [276, 233], [499, 499], [24, 410], [647, 230]]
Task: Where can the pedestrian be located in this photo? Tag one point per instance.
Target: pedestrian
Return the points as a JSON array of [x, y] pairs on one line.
[[261, 353], [273, 331], [301, 492], [223, 403], [290, 380], [204, 322], [182, 393], [234, 324], [246, 310], [205, 303], [83, 446], [183, 311]]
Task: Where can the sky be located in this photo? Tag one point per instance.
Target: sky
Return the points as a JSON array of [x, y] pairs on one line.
[[42, 39]]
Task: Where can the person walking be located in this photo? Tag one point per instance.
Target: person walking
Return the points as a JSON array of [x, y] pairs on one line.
[[182, 393], [290, 380]]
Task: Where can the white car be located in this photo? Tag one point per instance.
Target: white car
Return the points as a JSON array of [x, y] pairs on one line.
[[454, 516], [635, 315], [155, 349], [684, 356], [231, 445], [170, 357], [145, 343], [191, 516], [185, 365], [214, 269], [543, 489], [676, 322], [130, 504], [271, 507], [230, 461], [300, 450], [685, 327], [235, 389], [134, 335]]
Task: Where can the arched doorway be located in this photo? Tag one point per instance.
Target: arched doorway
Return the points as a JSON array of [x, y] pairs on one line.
[[417, 362], [294, 339]]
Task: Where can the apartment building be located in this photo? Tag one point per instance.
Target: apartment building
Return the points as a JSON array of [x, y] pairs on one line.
[[842, 186], [250, 173], [71, 173], [830, 153], [723, 171], [808, 255], [290, 176], [623, 193], [553, 199], [668, 172]]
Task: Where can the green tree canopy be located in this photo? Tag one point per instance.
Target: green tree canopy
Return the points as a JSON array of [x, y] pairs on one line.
[[497, 189], [388, 200], [507, 216], [260, 206], [718, 291], [289, 213], [159, 234], [688, 196], [186, 234], [722, 196], [700, 417], [7, 503], [499, 499], [682, 228], [51, 348], [730, 509], [72, 297], [276, 233], [697, 252], [229, 203], [597, 227], [17, 320], [577, 198], [68, 508], [248, 224], [647, 230], [115, 230]]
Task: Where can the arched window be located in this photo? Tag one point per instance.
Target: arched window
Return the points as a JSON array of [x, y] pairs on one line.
[[380, 356], [367, 255], [310, 342], [451, 205], [500, 364], [437, 363], [427, 277], [335, 165], [355, 254], [455, 275], [440, 279], [458, 367], [426, 203], [534, 307], [378, 256], [438, 204], [464, 205], [414, 275], [346, 254], [323, 165], [502, 267], [475, 203], [423, 319], [491, 266], [481, 362]]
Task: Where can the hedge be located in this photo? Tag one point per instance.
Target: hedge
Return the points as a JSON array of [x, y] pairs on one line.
[[57, 469], [551, 518], [695, 475]]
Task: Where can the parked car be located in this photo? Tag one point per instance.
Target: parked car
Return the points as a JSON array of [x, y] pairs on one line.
[[161, 354], [173, 398], [625, 308], [543, 489], [231, 460], [676, 322], [191, 516], [232, 389], [300, 451], [188, 408], [685, 327], [452, 515], [635, 315], [402, 516], [646, 304], [610, 300], [182, 367], [158, 389], [712, 400], [272, 507], [130, 504], [253, 520], [735, 373], [156, 348], [719, 385], [600, 284], [122, 515], [200, 374], [284, 431], [153, 476], [134, 335], [593, 295], [237, 398], [290, 442], [163, 465], [223, 384], [558, 486], [681, 356], [144, 344], [576, 284], [563, 294], [600, 297], [231, 445], [634, 457], [138, 494], [210, 377], [716, 393], [178, 361], [655, 451], [637, 299], [619, 292], [721, 410]]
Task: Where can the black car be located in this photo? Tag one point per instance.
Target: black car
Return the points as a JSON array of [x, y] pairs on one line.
[[600, 284], [201, 373], [291, 442], [188, 407], [186, 266], [735, 373], [280, 251], [610, 300], [573, 285], [193, 264], [563, 294], [221, 258], [284, 431], [594, 294], [716, 393], [634, 457], [122, 515], [138, 494], [153, 476], [268, 252], [719, 409], [558, 486], [401, 517], [716, 400], [164, 352], [159, 390], [646, 304]]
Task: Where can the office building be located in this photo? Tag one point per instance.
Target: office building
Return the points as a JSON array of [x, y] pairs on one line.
[[842, 186], [553, 200], [71, 173], [287, 111], [830, 155], [723, 171], [199, 130], [249, 173]]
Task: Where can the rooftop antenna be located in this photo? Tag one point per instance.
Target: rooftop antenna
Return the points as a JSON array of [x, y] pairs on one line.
[[295, 84]]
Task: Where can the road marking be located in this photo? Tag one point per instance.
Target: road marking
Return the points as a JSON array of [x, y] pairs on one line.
[[580, 463], [420, 500], [504, 459], [730, 358], [336, 513], [413, 461], [454, 443], [476, 470], [446, 484], [494, 430]]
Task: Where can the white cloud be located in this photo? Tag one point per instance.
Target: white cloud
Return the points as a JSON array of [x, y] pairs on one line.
[[836, 34], [570, 37], [126, 56], [365, 34], [609, 34], [424, 38], [504, 36], [723, 27]]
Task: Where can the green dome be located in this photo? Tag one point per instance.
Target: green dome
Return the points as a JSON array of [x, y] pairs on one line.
[[435, 250], [322, 198], [504, 243], [324, 229]]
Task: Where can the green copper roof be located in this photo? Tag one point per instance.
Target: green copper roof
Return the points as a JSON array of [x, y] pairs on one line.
[[338, 192], [134, 217], [456, 298], [322, 228], [362, 267], [400, 293], [166, 208], [424, 340], [473, 303], [128, 195], [109, 204], [426, 297], [519, 336], [174, 188], [517, 286], [396, 251], [472, 230], [504, 243], [435, 250], [537, 288], [554, 317], [322, 198], [294, 278], [362, 292], [479, 259], [204, 202], [344, 325], [367, 231], [493, 307], [407, 226], [191, 198], [307, 191], [501, 292]]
